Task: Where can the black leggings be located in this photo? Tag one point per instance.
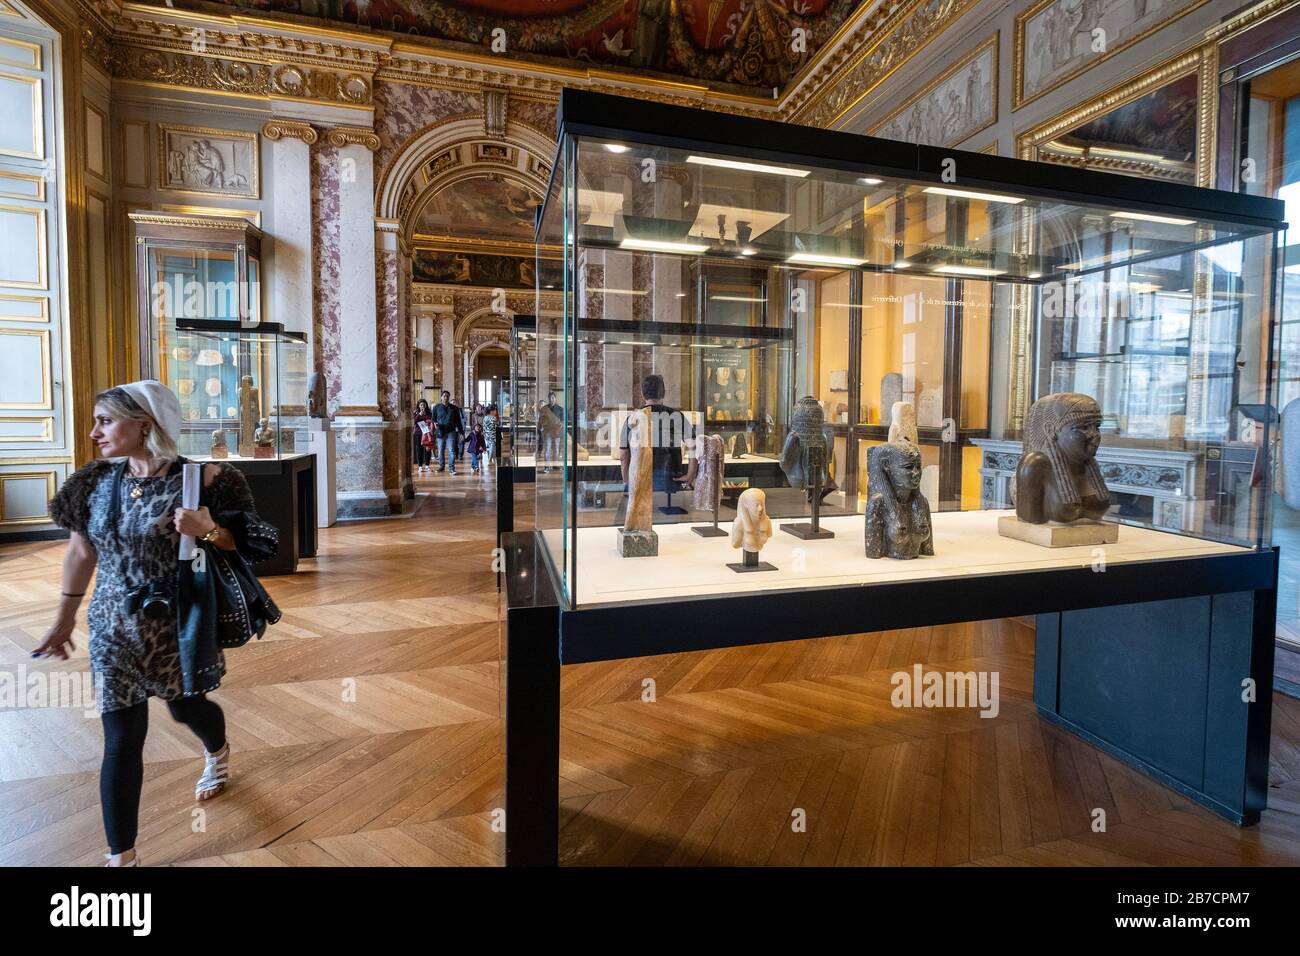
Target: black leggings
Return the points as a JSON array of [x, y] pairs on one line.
[[121, 776]]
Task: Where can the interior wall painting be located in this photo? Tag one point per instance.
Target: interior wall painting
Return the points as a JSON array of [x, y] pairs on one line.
[[1059, 39], [960, 103], [212, 161], [747, 43], [1153, 136], [481, 269]]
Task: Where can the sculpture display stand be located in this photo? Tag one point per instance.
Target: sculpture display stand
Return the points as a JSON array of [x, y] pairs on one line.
[[708, 483], [751, 530], [751, 563], [672, 509], [1059, 490], [1055, 534], [811, 530], [637, 538]]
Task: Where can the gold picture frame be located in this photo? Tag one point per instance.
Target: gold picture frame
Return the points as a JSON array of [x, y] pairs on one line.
[[1201, 61]]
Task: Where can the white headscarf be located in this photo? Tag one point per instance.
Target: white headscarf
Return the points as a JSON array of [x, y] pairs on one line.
[[160, 402]]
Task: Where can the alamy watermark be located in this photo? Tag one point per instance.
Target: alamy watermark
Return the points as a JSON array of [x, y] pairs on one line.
[[922, 688], [21, 688]]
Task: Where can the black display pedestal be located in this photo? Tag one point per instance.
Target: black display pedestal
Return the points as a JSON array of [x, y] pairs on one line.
[[284, 490], [1113, 661]]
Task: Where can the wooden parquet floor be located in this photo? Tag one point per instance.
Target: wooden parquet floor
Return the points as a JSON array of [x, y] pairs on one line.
[[366, 730]]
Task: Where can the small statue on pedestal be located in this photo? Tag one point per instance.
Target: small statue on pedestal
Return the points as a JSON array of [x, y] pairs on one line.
[[751, 530], [637, 537], [898, 516], [1059, 491], [807, 430], [706, 471], [264, 440], [250, 408], [219, 447]]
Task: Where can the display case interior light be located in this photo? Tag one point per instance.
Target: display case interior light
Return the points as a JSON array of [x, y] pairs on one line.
[[747, 167], [1104, 259], [815, 259], [661, 245], [1152, 217], [870, 181], [973, 194], [738, 298], [616, 147], [619, 291], [983, 272]]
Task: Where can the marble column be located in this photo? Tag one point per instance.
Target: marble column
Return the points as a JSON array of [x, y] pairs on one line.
[[366, 438], [291, 197]]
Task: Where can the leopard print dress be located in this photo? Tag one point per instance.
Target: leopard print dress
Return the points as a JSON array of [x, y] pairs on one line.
[[134, 658]]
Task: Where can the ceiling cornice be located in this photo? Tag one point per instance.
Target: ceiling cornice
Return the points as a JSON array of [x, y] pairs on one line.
[[260, 56]]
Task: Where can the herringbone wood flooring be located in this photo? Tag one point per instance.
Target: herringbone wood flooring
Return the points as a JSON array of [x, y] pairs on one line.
[[366, 729]]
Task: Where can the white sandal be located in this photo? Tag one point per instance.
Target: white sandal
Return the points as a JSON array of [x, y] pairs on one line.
[[216, 773], [115, 859]]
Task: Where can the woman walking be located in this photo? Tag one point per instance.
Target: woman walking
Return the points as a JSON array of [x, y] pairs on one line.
[[124, 515], [422, 435], [490, 423]]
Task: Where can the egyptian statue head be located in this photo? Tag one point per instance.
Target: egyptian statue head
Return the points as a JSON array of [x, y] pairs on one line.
[[752, 527], [1066, 427], [894, 465]]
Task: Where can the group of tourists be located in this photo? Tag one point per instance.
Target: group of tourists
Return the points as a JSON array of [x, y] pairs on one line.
[[445, 432]]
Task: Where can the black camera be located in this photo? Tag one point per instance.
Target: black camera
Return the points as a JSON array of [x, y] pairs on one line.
[[151, 600]]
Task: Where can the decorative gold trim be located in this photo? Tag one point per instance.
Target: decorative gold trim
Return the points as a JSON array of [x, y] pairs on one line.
[[42, 249], [213, 212], [254, 184], [1018, 97], [50, 484], [121, 152], [991, 149], [38, 459], [43, 316], [503, 247], [885, 40], [105, 131], [1247, 19], [341, 136], [46, 436], [289, 129], [108, 321], [1201, 60], [14, 174], [990, 43], [38, 114], [35, 49], [47, 389], [184, 221]]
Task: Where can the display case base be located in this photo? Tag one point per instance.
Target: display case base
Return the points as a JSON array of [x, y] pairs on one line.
[[709, 531], [1053, 535], [807, 531], [746, 568], [637, 544]]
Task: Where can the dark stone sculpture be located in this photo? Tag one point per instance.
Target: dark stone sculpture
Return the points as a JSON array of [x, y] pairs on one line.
[[898, 516], [1058, 478], [807, 430]]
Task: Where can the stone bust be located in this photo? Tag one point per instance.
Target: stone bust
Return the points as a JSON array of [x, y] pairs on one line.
[[1058, 478], [898, 516], [752, 527], [807, 431], [265, 434]]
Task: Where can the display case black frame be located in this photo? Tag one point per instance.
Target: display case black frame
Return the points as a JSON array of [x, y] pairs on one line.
[[1232, 597]]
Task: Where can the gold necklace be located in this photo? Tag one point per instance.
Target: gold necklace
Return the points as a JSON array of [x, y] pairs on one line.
[[137, 487]]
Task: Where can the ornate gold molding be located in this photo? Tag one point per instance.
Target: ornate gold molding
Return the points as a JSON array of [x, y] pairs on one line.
[[884, 41], [506, 247], [423, 297], [990, 44], [1248, 19], [341, 136], [1203, 60], [289, 129]]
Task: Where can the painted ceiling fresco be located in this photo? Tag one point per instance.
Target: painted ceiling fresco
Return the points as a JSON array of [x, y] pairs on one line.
[[749, 43], [485, 207]]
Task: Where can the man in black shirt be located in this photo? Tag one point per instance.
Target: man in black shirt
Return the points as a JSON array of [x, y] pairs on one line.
[[447, 424], [670, 430]]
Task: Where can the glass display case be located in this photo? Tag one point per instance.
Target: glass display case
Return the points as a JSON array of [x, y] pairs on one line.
[[242, 390], [824, 277]]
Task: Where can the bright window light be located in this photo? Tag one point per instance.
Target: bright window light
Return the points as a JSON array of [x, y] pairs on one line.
[[747, 167]]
